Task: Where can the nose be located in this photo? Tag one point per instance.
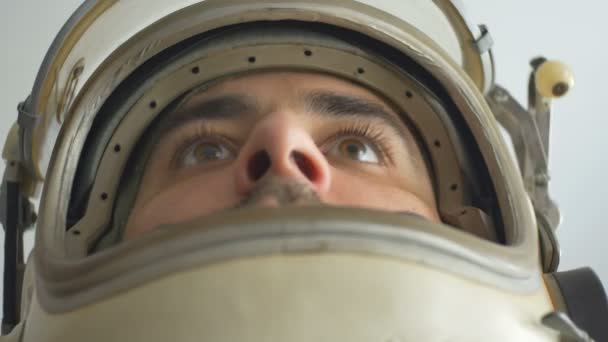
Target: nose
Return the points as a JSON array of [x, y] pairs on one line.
[[279, 145]]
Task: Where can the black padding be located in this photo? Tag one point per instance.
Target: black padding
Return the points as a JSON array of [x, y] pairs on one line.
[[585, 300], [9, 303]]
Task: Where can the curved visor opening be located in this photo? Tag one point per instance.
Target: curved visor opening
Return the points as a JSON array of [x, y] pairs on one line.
[[206, 151]]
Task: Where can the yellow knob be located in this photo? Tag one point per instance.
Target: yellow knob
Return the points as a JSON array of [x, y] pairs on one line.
[[553, 79]]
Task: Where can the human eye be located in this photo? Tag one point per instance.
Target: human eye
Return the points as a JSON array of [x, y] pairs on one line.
[[361, 144], [204, 148], [204, 152]]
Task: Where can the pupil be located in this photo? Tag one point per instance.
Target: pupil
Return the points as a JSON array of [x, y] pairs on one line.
[[353, 148], [210, 152]]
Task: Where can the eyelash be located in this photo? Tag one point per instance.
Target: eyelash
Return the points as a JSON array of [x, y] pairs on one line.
[[374, 135]]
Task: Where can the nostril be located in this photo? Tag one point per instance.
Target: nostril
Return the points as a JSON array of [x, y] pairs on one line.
[[258, 165], [305, 165]]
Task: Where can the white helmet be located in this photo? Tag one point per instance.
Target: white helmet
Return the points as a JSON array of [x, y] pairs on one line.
[[303, 273]]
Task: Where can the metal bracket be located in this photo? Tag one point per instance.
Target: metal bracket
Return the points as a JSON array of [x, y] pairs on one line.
[[25, 119], [485, 42], [529, 131], [560, 322], [530, 141], [15, 173]]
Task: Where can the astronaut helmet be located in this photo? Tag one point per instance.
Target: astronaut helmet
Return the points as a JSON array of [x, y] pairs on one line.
[[202, 169]]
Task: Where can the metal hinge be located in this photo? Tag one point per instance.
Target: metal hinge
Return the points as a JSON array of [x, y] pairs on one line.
[[485, 42], [561, 323]]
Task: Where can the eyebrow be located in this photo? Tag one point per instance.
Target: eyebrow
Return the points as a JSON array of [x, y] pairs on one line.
[[337, 105], [322, 103], [224, 107]]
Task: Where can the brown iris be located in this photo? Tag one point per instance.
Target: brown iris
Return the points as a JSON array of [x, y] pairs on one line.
[[352, 148]]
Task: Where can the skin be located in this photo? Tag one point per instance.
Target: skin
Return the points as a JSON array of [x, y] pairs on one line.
[[281, 150]]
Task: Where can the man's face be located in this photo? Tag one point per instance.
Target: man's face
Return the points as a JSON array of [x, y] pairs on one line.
[[281, 138]]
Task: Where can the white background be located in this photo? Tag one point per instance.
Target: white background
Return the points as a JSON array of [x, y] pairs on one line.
[[570, 31]]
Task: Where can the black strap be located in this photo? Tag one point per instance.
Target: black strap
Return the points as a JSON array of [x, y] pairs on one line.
[[11, 257], [585, 300]]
